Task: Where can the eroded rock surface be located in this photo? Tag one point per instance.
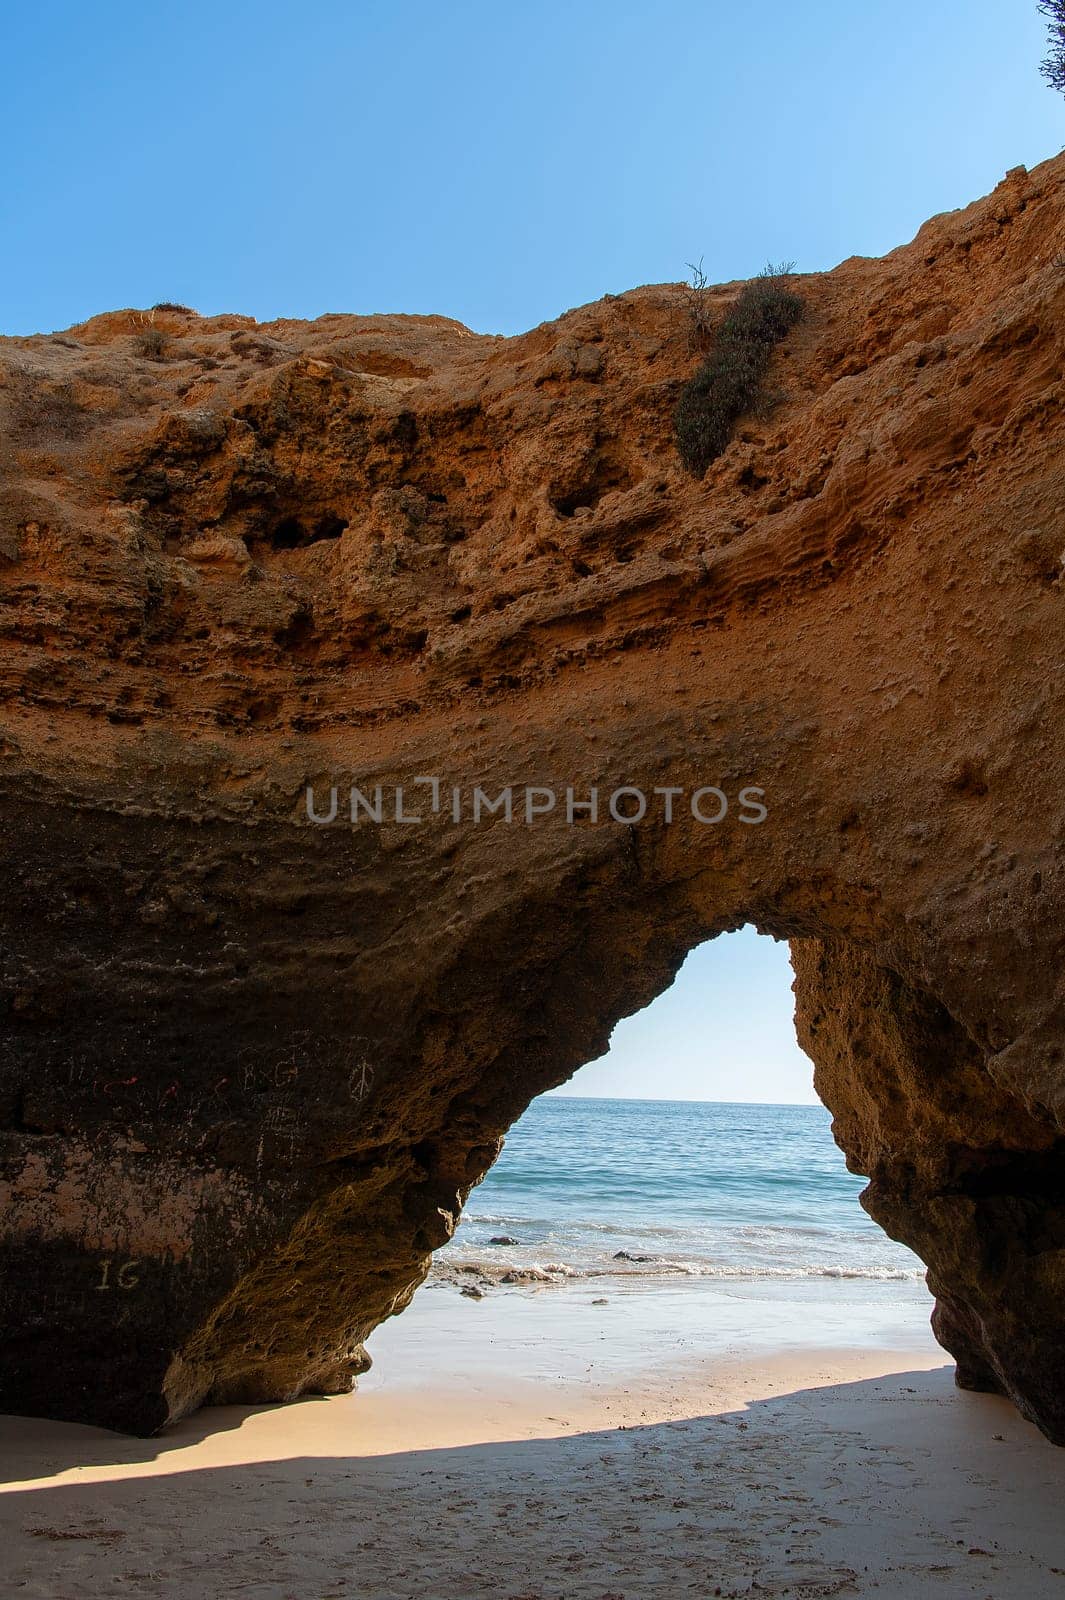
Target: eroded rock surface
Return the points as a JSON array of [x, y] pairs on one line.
[[251, 1065]]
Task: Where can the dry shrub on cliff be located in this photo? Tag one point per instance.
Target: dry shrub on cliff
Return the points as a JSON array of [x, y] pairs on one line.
[[700, 308], [1054, 66], [729, 382], [152, 344]]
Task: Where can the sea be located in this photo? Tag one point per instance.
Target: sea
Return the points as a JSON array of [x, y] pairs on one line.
[[661, 1190]]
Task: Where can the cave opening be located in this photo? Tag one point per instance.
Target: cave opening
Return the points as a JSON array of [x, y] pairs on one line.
[[685, 1184]]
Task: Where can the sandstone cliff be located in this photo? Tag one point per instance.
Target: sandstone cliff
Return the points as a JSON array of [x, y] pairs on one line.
[[251, 1065]]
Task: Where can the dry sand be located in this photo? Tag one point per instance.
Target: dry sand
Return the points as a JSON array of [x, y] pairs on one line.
[[643, 1472]]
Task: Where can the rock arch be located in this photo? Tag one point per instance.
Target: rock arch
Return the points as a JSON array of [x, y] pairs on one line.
[[251, 1064]]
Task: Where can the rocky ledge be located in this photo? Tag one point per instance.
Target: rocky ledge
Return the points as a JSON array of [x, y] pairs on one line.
[[252, 1063]]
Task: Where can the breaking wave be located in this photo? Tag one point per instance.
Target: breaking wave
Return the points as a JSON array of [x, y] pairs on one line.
[[661, 1191]]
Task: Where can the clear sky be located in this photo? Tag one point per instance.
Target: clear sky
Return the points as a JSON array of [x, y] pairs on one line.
[[497, 163], [722, 1031]]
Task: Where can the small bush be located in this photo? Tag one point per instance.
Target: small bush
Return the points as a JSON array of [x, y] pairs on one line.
[[1053, 68], [700, 308], [730, 381], [172, 305], [152, 344]]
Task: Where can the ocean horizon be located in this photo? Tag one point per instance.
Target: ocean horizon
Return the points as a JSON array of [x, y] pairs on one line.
[[674, 1100], [590, 1187]]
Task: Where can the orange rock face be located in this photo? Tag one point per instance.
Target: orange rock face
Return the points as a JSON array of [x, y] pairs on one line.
[[252, 1063]]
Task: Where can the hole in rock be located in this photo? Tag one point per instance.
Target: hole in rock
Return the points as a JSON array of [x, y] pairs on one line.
[[680, 1199], [292, 534], [604, 474], [567, 504]]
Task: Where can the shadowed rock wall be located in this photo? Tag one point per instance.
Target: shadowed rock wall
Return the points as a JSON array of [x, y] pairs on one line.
[[250, 1065]]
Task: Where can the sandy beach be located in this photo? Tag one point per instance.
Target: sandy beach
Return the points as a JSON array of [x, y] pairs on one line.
[[643, 1454]]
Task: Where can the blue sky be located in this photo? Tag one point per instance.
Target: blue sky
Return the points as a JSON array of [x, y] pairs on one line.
[[495, 163], [722, 1031], [499, 164]]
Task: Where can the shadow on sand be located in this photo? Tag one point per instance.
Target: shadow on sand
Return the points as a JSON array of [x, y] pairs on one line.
[[897, 1486]]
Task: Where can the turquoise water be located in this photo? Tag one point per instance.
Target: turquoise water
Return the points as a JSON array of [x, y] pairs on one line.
[[659, 1188]]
